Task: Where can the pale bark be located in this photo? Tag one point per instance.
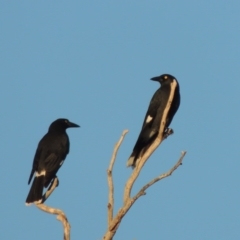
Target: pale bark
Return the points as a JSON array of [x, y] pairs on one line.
[[128, 201], [60, 214]]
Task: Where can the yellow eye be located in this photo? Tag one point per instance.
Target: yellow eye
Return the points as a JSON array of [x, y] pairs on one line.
[[165, 77]]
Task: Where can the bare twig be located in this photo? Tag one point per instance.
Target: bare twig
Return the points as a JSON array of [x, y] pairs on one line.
[[110, 179], [164, 175], [127, 205], [60, 214], [51, 188], [140, 163], [113, 223]]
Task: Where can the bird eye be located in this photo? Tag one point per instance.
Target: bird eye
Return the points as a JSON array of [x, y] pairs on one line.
[[66, 121], [165, 77]]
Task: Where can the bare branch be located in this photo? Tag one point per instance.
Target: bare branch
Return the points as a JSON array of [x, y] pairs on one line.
[[113, 223], [60, 214], [127, 205], [140, 163], [110, 179], [51, 188], [164, 175]]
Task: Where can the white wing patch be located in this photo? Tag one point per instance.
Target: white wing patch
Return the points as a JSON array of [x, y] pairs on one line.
[[149, 119], [61, 163], [42, 173]]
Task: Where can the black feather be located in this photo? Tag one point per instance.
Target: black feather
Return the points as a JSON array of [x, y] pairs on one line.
[[154, 114], [50, 154]]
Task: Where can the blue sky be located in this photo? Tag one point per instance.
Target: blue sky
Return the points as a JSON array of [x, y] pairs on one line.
[[91, 62]]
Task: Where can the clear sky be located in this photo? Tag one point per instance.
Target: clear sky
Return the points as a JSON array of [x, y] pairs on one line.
[[90, 62]]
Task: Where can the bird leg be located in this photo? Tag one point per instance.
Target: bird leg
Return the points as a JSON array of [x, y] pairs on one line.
[[167, 132]]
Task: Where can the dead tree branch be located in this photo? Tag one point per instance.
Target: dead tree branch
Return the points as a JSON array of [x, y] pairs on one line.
[[60, 214], [140, 163], [127, 205], [128, 201], [110, 179], [164, 175]]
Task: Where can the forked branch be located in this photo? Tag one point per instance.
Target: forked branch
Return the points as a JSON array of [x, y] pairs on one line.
[[151, 149], [110, 179], [128, 201], [115, 222], [164, 175]]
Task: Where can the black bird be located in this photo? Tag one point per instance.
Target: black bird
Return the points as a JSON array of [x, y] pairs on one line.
[[49, 157], [154, 114]]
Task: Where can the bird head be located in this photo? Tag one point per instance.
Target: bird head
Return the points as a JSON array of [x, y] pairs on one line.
[[164, 79], [63, 124]]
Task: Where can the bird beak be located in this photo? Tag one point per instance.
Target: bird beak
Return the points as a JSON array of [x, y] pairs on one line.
[[70, 124], [155, 78]]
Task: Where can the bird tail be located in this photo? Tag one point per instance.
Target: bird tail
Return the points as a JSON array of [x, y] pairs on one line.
[[132, 160], [135, 156], [35, 193]]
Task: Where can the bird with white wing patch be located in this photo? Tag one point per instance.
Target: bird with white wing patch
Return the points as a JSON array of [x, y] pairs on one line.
[[153, 118]]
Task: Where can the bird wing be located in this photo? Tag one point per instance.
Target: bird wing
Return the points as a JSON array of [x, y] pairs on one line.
[[49, 154], [54, 149], [149, 129], [52, 165], [35, 162], [53, 162], [151, 114]]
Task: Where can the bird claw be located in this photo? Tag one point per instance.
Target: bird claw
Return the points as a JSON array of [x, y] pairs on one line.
[[167, 132]]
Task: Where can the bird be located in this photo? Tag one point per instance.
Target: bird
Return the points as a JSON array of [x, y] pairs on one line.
[[49, 157], [153, 117]]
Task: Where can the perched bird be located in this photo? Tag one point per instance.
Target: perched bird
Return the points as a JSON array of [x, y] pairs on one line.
[[49, 157], [154, 115]]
